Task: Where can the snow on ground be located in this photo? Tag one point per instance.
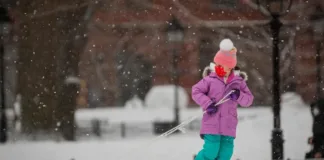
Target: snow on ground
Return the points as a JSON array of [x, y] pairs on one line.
[[252, 142], [118, 115]]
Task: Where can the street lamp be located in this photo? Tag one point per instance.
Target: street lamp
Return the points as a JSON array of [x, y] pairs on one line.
[[4, 19], [277, 9], [317, 22], [175, 34]]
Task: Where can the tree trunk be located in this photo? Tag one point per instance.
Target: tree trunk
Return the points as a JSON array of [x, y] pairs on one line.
[[37, 69], [48, 54], [68, 81]]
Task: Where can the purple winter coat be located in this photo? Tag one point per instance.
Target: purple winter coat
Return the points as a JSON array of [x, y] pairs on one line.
[[224, 121]]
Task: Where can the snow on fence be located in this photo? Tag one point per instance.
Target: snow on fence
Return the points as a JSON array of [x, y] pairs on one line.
[[115, 130], [118, 122], [124, 122]]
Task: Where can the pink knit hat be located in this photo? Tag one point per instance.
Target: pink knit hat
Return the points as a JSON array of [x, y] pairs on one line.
[[226, 56]]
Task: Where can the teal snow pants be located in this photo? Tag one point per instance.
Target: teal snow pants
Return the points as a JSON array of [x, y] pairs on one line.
[[216, 147]]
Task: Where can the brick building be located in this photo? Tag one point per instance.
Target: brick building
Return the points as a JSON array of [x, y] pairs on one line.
[[306, 54], [128, 36]]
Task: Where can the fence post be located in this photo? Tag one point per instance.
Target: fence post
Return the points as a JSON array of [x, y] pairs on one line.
[[96, 129], [123, 129]]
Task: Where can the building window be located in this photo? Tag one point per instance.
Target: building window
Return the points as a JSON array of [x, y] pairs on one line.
[[224, 3]]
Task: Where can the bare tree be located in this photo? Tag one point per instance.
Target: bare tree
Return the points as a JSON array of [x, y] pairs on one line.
[[52, 36], [252, 37]]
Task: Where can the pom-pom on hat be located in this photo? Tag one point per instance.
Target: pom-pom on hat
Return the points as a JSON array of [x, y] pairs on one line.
[[226, 56]]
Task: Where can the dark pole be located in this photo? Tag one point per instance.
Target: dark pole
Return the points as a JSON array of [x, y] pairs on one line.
[[175, 34], [3, 121], [176, 82], [276, 9], [318, 70], [277, 135]]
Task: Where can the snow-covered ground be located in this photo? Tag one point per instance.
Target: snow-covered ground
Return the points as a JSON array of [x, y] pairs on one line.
[[252, 142]]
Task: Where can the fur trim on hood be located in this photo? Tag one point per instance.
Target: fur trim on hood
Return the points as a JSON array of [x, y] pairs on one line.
[[211, 68]]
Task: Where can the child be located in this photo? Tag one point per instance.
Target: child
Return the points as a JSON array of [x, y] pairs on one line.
[[219, 123]]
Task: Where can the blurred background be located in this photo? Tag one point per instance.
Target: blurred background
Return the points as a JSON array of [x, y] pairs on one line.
[[85, 79]]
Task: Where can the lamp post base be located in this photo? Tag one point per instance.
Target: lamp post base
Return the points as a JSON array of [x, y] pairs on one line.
[[277, 144]]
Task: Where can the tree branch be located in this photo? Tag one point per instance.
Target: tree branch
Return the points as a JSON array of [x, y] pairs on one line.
[[255, 6], [186, 11], [287, 53], [56, 10], [151, 5], [251, 42]]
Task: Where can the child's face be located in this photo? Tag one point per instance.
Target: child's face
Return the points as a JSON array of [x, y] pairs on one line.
[[227, 69]]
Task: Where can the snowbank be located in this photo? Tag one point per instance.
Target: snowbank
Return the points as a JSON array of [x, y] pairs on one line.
[[292, 99], [134, 103], [164, 97]]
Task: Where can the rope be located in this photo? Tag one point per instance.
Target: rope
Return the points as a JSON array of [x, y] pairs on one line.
[[180, 126]]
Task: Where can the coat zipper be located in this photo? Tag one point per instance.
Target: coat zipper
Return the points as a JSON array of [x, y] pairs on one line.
[[220, 114]]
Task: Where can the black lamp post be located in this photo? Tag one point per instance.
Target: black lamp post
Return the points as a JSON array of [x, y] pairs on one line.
[[276, 8], [175, 34], [317, 20], [4, 18]]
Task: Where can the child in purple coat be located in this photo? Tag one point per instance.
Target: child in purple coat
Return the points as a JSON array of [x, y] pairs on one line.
[[219, 122]]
